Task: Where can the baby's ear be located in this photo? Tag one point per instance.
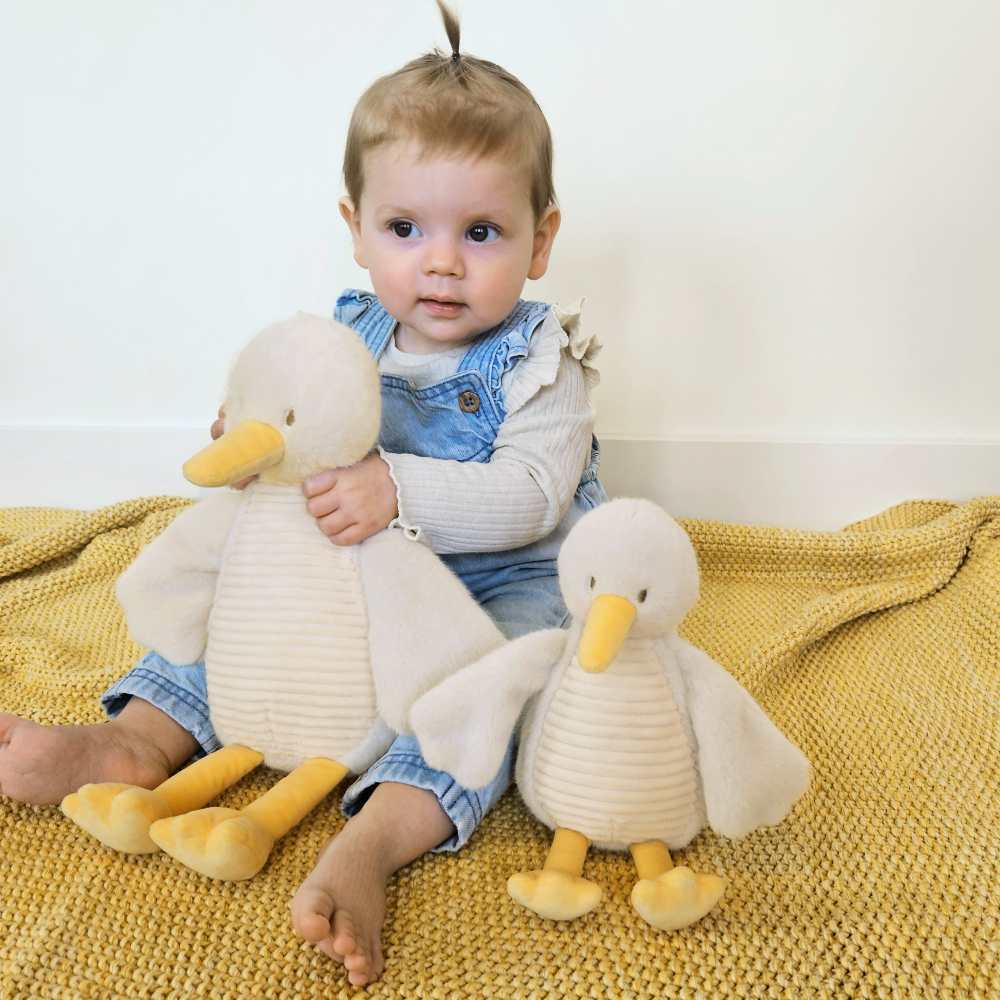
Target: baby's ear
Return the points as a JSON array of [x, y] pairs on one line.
[[545, 234], [352, 217]]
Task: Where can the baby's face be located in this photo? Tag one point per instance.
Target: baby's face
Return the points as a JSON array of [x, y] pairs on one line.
[[448, 241]]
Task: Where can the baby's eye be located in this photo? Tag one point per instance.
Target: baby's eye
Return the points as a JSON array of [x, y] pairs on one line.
[[403, 229], [483, 232]]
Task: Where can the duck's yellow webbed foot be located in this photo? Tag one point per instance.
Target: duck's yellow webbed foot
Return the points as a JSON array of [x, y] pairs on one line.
[[554, 894], [677, 898], [670, 898], [220, 843], [233, 844], [118, 815], [557, 891]]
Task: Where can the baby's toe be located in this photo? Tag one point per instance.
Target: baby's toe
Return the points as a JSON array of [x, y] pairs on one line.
[[359, 972], [358, 961], [326, 946], [366, 964], [345, 936], [7, 724], [311, 913]]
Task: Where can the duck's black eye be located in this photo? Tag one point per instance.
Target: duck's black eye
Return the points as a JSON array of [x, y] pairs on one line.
[[593, 583], [289, 418], [642, 595]]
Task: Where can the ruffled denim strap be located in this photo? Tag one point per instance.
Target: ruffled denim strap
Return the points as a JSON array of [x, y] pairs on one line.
[[494, 353], [363, 312]]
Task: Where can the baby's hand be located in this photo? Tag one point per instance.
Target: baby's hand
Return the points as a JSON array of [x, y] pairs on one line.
[[219, 427], [352, 503], [217, 430]]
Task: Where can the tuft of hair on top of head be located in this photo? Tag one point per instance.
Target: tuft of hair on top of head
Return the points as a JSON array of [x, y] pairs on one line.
[[451, 28], [455, 104]]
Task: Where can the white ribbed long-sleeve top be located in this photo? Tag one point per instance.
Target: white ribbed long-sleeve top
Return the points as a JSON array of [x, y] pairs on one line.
[[522, 492]]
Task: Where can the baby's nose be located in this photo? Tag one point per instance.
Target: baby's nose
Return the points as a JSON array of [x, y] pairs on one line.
[[443, 257]]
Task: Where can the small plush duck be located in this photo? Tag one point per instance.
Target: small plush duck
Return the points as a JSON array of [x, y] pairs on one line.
[[634, 738], [313, 652]]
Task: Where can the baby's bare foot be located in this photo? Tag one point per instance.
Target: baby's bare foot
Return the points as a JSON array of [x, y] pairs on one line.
[[340, 907], [42, 764]]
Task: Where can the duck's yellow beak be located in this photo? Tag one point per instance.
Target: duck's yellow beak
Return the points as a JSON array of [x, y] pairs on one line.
[[608, 622], [244, 451]]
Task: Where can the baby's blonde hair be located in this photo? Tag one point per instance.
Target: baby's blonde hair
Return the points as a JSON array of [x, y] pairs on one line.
[[453, 104]]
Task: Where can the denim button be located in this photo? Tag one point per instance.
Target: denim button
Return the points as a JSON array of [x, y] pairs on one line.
[[468, 402]]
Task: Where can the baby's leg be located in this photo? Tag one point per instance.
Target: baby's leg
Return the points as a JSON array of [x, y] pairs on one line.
[[155, 710], [400, 809], [340, 907]]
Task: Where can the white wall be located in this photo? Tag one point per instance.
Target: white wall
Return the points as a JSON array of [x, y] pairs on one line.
[[784, 215]]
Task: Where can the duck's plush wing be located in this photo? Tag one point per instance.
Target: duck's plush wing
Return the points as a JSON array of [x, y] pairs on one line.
[[167, 593], [423, 624], [465, 723], [751, 773]]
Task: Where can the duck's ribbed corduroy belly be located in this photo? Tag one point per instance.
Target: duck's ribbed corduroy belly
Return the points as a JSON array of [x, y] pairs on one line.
[[613, 761], [287, 658]]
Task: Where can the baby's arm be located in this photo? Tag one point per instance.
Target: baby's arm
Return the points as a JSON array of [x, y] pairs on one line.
[[522, 492], [352, 503]]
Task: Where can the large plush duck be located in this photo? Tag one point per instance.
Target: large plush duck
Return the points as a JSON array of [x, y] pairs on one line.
[[634, 739], [314, 652]]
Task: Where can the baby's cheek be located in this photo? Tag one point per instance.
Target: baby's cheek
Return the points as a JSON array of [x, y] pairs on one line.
[[394, 285]]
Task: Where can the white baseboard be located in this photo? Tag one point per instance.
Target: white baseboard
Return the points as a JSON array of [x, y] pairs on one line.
[[818, 485], [88, 467]]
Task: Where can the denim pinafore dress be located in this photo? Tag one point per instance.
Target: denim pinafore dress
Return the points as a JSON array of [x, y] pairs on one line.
[[459, 419]]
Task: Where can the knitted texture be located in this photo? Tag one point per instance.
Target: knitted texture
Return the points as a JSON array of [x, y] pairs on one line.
[[875, 649]]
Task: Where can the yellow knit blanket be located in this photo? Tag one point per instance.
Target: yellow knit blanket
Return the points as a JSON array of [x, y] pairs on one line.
[[876, 649]]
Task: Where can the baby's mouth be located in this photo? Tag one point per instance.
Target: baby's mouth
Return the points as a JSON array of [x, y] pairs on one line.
[[442, 307]]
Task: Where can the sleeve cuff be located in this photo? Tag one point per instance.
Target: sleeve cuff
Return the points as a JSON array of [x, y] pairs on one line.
[[401, 520]]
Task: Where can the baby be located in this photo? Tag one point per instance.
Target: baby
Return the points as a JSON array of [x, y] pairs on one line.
[[486, 451]]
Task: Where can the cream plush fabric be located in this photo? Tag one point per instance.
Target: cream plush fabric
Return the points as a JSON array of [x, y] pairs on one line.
[[651, 747], [311, 649]]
